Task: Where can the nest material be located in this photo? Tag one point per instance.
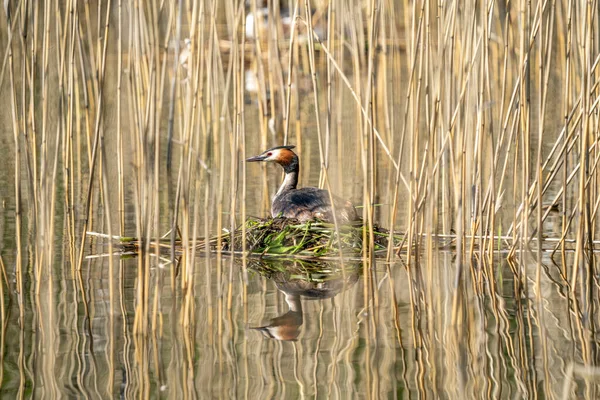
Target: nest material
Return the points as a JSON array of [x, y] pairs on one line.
[[279, 237], [312, 238]]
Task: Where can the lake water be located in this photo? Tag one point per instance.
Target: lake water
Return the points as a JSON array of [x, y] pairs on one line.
[[383, 331]]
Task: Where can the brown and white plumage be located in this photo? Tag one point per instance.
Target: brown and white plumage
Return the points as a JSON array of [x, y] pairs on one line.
[[304, 203]]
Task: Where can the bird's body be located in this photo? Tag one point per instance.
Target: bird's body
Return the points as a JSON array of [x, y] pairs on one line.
[[310, 202], [305, 203]]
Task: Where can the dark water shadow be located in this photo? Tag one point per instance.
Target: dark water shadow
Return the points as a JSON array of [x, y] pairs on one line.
[[302, 281]]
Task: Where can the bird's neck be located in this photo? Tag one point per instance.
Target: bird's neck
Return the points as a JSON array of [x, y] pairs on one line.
[[293, 301], [291, 176], [289, 182]]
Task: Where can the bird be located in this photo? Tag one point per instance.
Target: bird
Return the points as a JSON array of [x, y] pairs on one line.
[[307, 203]]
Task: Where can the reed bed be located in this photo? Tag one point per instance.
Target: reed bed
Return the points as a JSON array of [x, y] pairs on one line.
[[474, 121]]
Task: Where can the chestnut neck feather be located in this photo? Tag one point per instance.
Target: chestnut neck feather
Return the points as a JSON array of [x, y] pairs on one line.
[[288, 160], [291, 166]]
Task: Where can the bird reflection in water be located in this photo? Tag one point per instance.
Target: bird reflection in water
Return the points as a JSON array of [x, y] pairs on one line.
[[285, 326], [302, 281]]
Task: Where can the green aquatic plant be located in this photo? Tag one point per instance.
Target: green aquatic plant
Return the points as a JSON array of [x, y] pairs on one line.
[[282, 236]]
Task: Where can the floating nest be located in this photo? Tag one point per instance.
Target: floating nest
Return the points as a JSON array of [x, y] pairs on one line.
[[279, 238], [286, 236]]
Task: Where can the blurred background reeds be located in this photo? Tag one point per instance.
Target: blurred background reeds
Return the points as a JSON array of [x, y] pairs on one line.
[[468, 128]]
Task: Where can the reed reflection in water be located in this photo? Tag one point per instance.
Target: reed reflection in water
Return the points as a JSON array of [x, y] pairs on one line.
[[335, 338]]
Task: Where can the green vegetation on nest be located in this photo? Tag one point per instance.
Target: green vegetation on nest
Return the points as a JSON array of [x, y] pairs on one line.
[[281, 237], [314, 238]]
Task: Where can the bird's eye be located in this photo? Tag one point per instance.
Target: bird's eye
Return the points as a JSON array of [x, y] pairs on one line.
[[269, 154]]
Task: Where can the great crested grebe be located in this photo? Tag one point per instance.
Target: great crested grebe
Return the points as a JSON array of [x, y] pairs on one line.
[[304, 203]]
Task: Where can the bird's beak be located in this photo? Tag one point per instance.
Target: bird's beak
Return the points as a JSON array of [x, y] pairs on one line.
[[256, 158]]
